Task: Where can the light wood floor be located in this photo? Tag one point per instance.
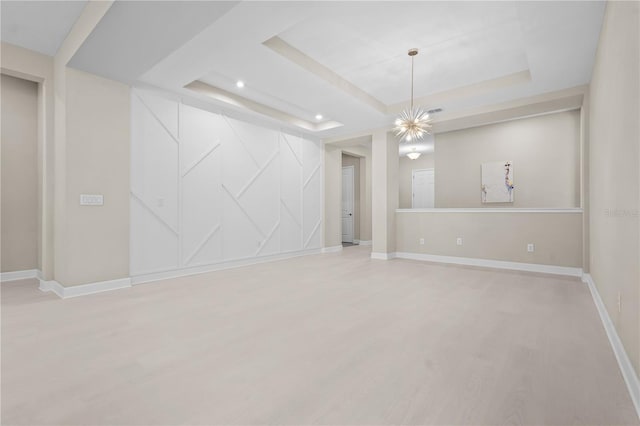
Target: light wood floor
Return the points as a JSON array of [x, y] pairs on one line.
[[326, 339]]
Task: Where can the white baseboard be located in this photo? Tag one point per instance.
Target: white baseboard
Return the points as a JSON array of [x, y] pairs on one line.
[[83, 289], [498, 264], [334, 249], [364, 242], [382, 256], [626, 368], [19, 275], [195, 270]]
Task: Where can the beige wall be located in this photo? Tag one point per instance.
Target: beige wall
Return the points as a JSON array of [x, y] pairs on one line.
[[331, 223], [349, 160], [384, 192], [495, 236], [614, 184], [19, 174], [36, 67], [97, 162], [545, 151], [405, 176]]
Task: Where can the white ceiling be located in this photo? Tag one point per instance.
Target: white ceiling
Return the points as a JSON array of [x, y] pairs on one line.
[[38, 25], [347, 60]]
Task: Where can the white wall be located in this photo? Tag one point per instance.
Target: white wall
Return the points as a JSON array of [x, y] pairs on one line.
[[208, 189]]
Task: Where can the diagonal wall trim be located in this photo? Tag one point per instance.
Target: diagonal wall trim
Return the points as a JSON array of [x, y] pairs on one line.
[[201, 159], [171, 135], [242, 142], [291, 214], [313, 232], [255, 225], [268, 237], [292, 151], [311, 176], [150, 210], [257, 175], [202, 243]]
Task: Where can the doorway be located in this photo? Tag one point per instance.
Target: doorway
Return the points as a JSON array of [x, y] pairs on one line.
[[423, 189], [19, 175], [348, 173]]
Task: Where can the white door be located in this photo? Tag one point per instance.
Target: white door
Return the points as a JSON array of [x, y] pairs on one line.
[[423, 189], [347, 204]]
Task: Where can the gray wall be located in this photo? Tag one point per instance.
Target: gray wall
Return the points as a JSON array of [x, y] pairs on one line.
[[19, 174], [405, 176], [545, 151], [614, 166]]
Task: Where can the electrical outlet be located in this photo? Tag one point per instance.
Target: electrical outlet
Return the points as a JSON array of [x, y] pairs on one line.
[[421, 241], [459, 241], [619, 302], [531, 248]]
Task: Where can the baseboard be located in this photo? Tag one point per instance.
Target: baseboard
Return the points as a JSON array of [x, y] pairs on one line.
[[383, 256], [497, 264], [19, 275], [183, 272], [364, 242], [83, 289], [626, 368], [334, 249]]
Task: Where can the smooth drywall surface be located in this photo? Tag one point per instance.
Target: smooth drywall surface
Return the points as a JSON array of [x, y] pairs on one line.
[[332, 224], [19, 174], [614, 136], [208, 189], [544, 150], [405, 176], [35, 67], [557, 237], [349, 160], [97, 162], [384, 189]]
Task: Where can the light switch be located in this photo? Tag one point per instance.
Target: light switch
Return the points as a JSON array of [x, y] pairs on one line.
[[91, 200]]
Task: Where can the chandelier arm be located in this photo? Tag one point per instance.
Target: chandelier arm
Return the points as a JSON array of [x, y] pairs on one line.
[[412, 84]]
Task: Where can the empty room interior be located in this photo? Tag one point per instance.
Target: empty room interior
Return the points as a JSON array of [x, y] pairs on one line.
[[301, 212]]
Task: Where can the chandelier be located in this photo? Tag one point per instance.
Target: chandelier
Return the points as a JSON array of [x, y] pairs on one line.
[[414, 154], [413, 123]]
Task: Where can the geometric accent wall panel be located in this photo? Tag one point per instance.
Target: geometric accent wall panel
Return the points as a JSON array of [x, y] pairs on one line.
[[206, 188], [290, 193], [201, 178]]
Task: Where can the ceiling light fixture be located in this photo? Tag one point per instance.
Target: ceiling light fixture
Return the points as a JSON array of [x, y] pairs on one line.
[[318, 116], [240, 84], [414, 155], [412, 123]]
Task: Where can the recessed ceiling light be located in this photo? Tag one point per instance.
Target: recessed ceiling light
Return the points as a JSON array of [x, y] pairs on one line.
[[318, 116], [240, 84]]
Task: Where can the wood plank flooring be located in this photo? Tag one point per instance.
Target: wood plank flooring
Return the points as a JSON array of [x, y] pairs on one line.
[[324, 339]]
